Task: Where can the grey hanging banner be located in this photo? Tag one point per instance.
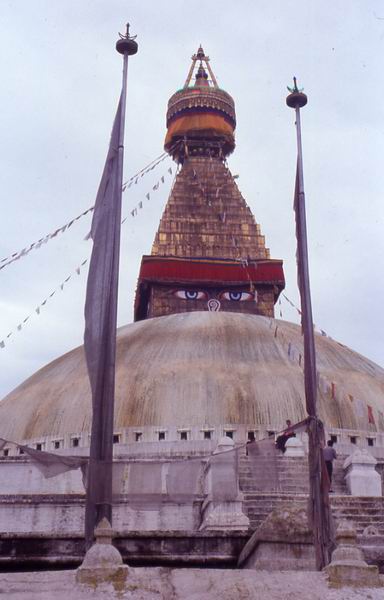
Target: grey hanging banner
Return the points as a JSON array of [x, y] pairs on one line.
[[184, 481], [145, 486], [225, 477], [49, 463], [100, 331], [262, 457]]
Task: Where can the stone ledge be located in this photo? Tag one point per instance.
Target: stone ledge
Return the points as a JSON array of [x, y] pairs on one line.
[[138, 548], [180, 584]]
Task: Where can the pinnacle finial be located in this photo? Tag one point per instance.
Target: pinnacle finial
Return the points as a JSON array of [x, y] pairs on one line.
[[200, 53], [126, 43], [200, 56], [294, 89], [296, 98]]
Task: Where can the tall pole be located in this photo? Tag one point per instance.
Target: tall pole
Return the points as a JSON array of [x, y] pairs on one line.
[[126, 46], [318, 486], [101, 314]]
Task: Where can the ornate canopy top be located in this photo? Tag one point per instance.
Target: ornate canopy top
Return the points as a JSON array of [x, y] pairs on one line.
[[201, 117]]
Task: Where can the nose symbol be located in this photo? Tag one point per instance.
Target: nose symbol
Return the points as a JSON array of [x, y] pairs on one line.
[[213, 305]]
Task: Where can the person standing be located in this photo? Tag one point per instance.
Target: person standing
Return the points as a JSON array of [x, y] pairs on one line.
[[287, 433], [329, 454]]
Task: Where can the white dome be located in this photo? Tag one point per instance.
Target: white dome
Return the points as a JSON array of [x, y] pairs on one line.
[[196, 369]]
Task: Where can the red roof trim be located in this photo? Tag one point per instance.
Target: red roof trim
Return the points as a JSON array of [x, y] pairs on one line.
[[195, 270]]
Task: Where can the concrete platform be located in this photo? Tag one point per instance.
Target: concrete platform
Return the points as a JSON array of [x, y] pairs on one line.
[[182, 584]]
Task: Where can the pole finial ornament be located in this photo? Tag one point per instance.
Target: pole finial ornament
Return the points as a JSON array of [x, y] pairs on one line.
[[296, 98], [127, 44]]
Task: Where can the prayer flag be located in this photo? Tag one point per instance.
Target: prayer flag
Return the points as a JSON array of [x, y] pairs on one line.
[[360, 408], [371, 418], [100, 330]]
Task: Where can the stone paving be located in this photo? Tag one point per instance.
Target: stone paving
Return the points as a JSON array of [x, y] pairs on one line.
[[186, 584]]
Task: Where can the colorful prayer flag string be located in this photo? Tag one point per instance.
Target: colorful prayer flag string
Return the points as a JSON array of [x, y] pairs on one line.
[[78, 269], [140, 204], [36, 245], [37, 310], [315, 327]]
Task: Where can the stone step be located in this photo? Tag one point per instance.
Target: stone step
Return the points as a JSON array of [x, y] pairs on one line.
[[361, 511], [362, 499], [355, 512], [293, 484], [282, 474]]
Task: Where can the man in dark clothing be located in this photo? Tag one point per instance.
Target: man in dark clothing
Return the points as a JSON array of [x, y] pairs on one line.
[[329, 454], [287, 433]]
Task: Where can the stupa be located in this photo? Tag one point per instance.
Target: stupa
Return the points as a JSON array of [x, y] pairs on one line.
[[205, 357], [208, 252]]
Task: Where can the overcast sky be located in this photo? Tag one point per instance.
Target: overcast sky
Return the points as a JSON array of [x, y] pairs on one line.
[[60, 82]]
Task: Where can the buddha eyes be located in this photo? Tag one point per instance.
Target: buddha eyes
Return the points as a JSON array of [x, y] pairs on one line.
[[237, 296], [191, 295], [232, 296]]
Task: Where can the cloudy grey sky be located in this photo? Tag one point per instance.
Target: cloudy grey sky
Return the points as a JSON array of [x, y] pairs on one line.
[[61, 79]]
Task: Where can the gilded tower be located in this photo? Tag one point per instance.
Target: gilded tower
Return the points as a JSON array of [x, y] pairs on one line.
[[208, 253]]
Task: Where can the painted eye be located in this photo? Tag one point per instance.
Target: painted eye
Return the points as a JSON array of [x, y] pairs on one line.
[[235, 296], [190, 294]]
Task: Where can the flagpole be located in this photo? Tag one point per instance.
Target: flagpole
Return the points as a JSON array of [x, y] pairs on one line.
[[101, 314], [319, 501], [126, 46]]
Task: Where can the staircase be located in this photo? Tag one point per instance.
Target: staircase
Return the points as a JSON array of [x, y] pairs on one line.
[[292, 476], [292, 487], [362, 511]]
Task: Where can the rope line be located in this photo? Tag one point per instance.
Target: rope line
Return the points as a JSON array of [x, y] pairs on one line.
[[8, 260], [78, 269]]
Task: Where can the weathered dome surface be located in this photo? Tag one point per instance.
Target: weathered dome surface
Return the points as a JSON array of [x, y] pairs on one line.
[[201, 368]]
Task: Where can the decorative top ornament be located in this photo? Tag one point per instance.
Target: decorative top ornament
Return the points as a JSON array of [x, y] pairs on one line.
[[201, 56], [294, 89], [296, 98], [201, 117], [127, 44]]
